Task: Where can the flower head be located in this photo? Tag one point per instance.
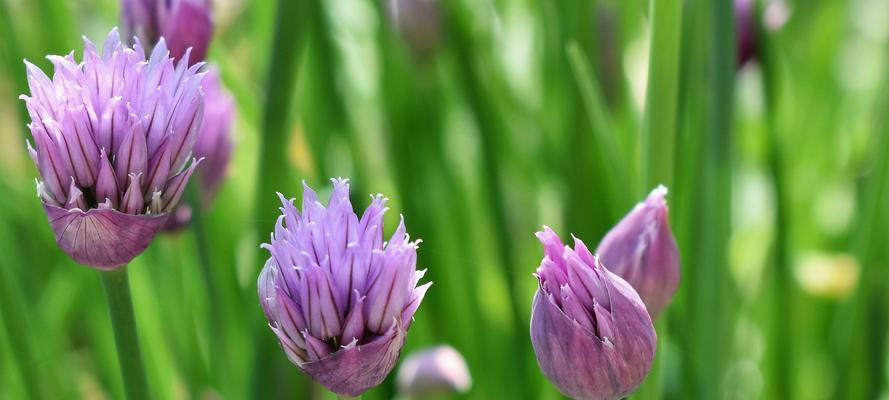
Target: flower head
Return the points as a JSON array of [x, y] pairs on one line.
[[642, 250], [590, 331], [434, 370], [112, 139], [183, 23], [338, 297]]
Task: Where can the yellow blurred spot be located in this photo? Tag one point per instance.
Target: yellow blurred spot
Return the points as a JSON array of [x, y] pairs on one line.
[[830, 275], [298, 152]]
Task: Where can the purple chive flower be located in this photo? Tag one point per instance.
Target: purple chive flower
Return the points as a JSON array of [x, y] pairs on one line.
[[641, 250], [590, 331], [112, 139], [418, 22], [746, 36], [434, 370], [214, 146], [184, 23], [338, 297]]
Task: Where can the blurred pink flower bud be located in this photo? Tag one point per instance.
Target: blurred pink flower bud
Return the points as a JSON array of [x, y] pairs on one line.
[[641, 250], [434, 370]]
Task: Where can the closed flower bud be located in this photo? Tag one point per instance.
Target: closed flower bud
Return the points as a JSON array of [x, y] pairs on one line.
[[418, 22], [590, 331], [339, 298], [746, 35], [113, 137], [642, 250], [431, 371], [183, 23]]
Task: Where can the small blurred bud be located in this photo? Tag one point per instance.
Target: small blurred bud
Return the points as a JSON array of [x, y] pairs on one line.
[[434, 370], [418, 22], [746, 30], [183, 23], [827, 275]]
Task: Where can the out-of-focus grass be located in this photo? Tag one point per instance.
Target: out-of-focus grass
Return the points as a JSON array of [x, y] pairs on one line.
[[523, 113]]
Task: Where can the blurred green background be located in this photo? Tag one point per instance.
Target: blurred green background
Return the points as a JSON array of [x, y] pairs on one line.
[[482, 123]]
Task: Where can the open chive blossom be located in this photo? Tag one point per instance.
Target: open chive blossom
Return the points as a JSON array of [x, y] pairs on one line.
[[184, 23], [641, 249], [590, 331], [338, 297], [113, 137]]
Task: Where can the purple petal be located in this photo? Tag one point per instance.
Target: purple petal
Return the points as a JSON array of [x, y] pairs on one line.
[[106, 183], [353, 329], [132, 157], [176, 186], [133, 201]]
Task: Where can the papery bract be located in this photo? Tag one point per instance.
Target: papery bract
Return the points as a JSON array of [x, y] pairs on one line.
[[338, 297], [590, 331]]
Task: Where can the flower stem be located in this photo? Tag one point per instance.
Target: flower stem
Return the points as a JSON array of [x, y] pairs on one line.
[[658, 140], [341, 397], [123, 321], [14, 314], [199, 229]]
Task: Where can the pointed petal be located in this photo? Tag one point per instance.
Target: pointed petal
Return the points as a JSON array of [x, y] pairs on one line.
[[133, 202], [106, 183]]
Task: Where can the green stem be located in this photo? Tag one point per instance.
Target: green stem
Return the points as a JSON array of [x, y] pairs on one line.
[[217, 331], [491, 128], [272, 376], [18, 330], [126, 337], [659, 132], [341, 397], [782, 325], [614, 167], [13, 60]]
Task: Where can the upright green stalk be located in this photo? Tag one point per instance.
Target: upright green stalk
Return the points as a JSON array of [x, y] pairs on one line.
[[12, 57], [604, 135], [659, 131], [18, 329], [781, 350], [217, 330], [490, 125], [713, 314], [126, 337], [861, 355], [272, 376], [706, 291]]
